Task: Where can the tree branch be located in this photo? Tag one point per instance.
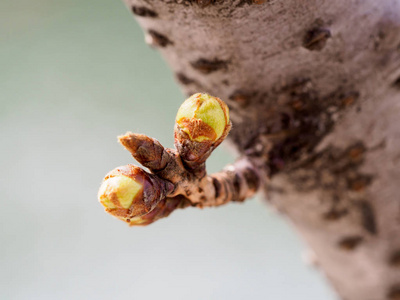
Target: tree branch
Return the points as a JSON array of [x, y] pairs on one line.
[[313, 90]]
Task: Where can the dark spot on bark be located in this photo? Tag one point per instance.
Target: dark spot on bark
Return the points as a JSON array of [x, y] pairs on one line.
[[203, 198], [297, 86], [276, 189], [206, 66], [144, 12], [297, 104], [200, 3], [394, 292], [204, 3], [394, 259], [381, 145], [225, 82], [236, 184], [200, 190], [315, 39], [159, 39], [385, 35], [356, 153], [183, 79], [217, 187], [227, 190], [285, 121], [350, 243], [349, 98], [396, 83], [335, 214], [367, 217], [360, 182], [241, 97], [250, 2], [252, 180]]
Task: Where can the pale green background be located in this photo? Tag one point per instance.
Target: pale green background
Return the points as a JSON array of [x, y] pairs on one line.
[[73, 75]]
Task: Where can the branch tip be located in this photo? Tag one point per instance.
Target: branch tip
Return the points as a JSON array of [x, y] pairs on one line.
[[178, 177]]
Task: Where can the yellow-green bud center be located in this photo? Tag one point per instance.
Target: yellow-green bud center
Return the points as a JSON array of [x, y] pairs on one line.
[[118, 191], [203, 107]]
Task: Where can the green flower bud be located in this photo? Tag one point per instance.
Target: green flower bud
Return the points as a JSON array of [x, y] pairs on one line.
[[203, 118], [129, 192]]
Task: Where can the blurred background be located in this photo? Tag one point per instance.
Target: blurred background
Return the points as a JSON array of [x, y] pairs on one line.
[[73, 75]]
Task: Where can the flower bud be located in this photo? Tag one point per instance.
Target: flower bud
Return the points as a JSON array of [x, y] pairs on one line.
[[128, 192], [203, 118], [202, 123]]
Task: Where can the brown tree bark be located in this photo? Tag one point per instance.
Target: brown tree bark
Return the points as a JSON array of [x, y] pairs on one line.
[[314, 91]]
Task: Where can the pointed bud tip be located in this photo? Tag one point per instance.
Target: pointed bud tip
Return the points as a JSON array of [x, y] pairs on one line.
[[124, 139]]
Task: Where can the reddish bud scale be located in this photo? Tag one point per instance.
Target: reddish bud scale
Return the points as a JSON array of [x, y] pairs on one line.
[[163, 209]]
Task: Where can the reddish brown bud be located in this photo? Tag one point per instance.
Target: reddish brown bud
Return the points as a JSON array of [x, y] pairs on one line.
[[147, 151], [128, 192]]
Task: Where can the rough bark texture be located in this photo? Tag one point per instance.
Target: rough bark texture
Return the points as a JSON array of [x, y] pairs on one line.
[[314, 90]]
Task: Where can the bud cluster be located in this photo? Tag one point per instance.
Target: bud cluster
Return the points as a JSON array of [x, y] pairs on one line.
[[177, 178]]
